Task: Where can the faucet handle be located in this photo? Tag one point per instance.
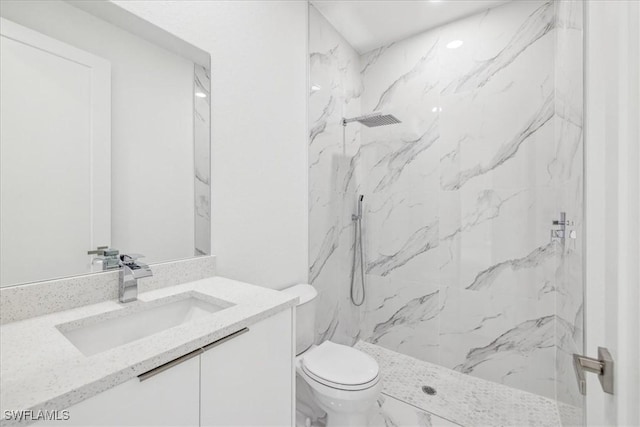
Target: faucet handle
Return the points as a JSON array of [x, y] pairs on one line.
[[98, 251], [130, 258], [137, 269]]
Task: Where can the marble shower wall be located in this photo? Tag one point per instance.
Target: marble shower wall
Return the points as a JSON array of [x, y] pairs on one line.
[[202, 165], [459, 197], [333, 175]]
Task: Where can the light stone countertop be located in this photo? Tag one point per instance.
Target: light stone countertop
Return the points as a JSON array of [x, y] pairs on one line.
[[41, 370]]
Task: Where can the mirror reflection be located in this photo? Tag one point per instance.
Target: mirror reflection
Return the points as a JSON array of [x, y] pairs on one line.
[[104, 140]]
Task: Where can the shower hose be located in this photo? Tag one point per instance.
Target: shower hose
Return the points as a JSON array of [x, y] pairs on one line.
[[357, 248]]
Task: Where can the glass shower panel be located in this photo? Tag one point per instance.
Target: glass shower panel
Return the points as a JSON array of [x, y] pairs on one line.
[[567, 171], [460, 268]]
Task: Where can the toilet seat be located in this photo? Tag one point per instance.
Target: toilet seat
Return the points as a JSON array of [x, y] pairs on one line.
[[338, 386], [340, 367]]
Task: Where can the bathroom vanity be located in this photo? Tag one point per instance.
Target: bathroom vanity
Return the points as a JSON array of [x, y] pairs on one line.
[[198, 354], [106, 154]]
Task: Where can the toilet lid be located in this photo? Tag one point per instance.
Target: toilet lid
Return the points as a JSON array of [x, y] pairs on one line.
[[340, 364]]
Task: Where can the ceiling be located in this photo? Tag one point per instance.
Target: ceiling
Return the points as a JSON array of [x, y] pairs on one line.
[[369, 24]]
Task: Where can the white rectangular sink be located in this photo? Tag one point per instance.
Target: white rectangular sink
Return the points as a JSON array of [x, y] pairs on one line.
[[140, 322]]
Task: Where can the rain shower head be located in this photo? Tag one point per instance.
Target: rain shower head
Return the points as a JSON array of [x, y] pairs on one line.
[[373, 120]]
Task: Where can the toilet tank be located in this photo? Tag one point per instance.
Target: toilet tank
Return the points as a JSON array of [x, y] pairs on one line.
[[305, 315]]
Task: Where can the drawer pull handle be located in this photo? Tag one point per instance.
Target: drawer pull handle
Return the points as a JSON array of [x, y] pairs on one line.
[[169, 365], [158, 370], [225, 339]]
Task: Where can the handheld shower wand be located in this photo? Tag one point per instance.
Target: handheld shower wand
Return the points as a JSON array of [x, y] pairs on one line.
[[358, 214], [357, 249]]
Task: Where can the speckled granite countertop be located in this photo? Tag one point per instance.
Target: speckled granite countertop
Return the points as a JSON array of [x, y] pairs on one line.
[[40, 369]]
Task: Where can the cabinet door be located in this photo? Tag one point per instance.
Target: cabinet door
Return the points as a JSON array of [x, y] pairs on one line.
[[248, 380], [170, 398]]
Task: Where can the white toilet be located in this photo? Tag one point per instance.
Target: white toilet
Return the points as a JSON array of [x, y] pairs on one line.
[[345, 382]]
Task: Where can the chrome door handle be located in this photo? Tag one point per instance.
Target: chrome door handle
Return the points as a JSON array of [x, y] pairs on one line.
[[603, 366]]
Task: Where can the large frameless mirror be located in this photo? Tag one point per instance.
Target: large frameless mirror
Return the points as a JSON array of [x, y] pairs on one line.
[[105, 140]]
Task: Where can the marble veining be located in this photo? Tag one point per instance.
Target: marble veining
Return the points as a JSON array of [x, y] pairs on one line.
[[417, 310], [329, 245], [508, 150], [487, 277], [321, 123], [202, 159], [416, 70], [524, 338], [487, 207], [423, 240], [373, 56], [459, 197], [395, 161], [539, 23]]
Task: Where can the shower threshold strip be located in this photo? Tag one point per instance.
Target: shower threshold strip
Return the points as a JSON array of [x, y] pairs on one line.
[[456, 397], [392, 412]]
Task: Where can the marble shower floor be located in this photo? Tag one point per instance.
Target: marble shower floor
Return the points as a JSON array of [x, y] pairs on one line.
[[461, 399], [391, 412]]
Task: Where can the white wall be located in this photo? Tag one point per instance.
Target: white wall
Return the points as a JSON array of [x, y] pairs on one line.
[[612, 207], [152, 128], [259, 148]]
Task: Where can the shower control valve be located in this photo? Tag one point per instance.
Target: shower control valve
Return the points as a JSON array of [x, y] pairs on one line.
[[562, 232]]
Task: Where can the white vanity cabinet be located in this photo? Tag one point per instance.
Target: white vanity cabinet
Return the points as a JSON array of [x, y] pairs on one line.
[[170, 398], [245, 379]]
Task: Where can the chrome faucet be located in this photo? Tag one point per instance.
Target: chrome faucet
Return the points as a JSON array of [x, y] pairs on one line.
[[130, 271]]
